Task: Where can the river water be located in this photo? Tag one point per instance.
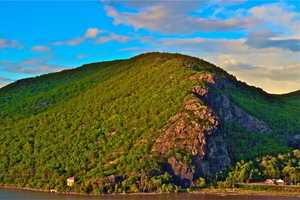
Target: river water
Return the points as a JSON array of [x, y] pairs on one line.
[[25, 195]]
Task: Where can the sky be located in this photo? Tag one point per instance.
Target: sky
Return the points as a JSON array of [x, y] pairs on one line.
[[256, 40]]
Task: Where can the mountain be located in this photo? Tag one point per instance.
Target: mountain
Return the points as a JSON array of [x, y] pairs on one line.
[[151, 121]]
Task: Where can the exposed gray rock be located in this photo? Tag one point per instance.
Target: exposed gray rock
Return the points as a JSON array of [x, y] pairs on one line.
[[182, 173], [294, 141], [195, 130], [228, 111], [216, 159]]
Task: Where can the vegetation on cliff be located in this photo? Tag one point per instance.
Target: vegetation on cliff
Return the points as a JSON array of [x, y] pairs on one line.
[[108, 125]]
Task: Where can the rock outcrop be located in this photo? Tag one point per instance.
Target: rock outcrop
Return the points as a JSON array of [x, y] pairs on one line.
[[188, 129], [228, 111], [197, 131], [182, 173]]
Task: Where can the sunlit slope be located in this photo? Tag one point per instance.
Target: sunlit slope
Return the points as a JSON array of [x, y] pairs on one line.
[[93, 118], [103, 118]]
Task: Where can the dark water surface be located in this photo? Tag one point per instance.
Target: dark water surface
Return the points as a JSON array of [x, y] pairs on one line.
[[25, 195]]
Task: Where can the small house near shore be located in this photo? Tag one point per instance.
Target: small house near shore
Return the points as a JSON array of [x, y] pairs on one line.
[[70, 181], [53, 190], [274, 182], [269, 181], [279, 182]]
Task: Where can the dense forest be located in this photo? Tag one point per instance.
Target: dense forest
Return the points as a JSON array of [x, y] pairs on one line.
[[99, 123]]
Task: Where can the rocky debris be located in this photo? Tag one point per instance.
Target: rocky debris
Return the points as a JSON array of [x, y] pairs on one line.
[[203, 77], [294, 141], [192, 130], [199, 90], [187, 130]]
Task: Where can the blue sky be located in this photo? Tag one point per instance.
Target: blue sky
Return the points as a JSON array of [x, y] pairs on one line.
[[258, 41]]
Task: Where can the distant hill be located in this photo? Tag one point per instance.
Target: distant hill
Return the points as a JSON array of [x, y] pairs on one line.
[[155, 120]]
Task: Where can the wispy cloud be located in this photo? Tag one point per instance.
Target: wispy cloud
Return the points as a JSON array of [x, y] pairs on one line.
[[204, 44], [228, 1], [40, 48], [173, 18], [5, 43], [275, 80], [269, 40], [32, 66], [275, 70], [95, 35], [112, 37], [70, 42], [90, 33], [279, 17]]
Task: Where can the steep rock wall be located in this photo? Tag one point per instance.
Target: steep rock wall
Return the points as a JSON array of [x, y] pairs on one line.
[[218, 99], [197, 130]]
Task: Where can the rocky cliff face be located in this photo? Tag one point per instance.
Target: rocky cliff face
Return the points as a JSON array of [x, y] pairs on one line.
[[220, 102], [197, 130]]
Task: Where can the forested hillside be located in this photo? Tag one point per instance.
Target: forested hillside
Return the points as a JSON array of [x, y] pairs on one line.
[[106, 124]]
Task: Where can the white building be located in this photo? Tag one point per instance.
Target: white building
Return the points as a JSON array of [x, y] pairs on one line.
[[70, 181]]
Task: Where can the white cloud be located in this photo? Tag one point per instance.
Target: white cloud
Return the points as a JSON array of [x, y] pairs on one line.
[[274, 80], [267, 55], [171, 18], [274, 70], [281, 17], [92, 32], [174, 18]]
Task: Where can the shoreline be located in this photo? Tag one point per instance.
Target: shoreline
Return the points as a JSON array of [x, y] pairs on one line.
[[205, 191]]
